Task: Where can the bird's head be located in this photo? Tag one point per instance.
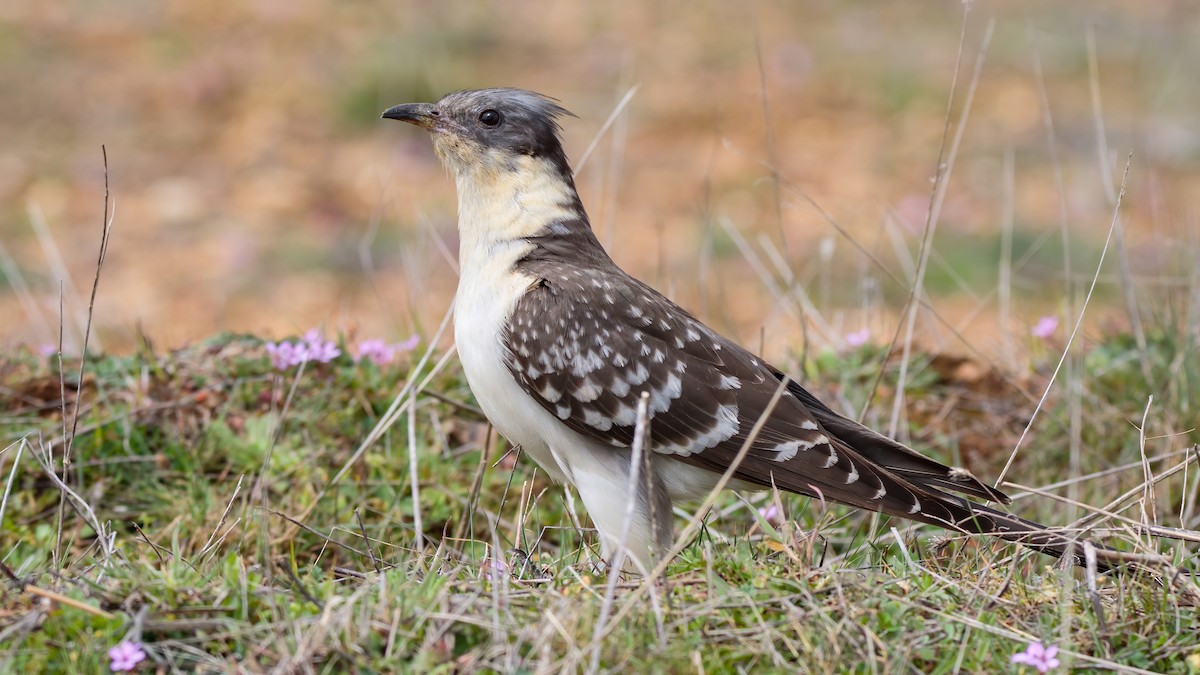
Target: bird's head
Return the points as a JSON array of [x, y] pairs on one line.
[[490, 132]]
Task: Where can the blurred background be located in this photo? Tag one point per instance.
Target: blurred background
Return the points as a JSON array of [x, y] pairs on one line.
[[255, 188]]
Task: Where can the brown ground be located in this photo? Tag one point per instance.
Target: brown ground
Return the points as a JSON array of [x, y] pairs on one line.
[[248, 166]]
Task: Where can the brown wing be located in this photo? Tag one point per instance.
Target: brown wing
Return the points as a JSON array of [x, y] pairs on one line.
[[586, 341]]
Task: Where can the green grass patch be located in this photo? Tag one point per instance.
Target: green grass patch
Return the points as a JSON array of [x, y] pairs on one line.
[[243, 530]]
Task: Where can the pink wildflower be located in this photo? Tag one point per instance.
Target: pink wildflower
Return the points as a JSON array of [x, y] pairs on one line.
[[320, 349], [1046, 326], [1039, 656], [281, 353], [381, 353], [493, 569], [376, 351], [284, 355], [858, 338], [771, 514], [126, 656]]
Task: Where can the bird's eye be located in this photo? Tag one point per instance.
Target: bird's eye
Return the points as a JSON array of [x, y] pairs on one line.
[[490, 118]]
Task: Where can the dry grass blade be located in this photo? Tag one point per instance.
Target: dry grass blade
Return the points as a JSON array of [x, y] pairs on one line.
[[1064, 225], [1074, 330], [367, 541], [16, 280], [104, 536], [414, 477], [612, 117], [942, 173], [1101, 474], [225, 514], [617, 564], [12, 475], [1128, 292], [58, 267], [1149, 512], [806, 312], [68, 601], [772, 149], [105, 234], [460, 530], [106, 223]]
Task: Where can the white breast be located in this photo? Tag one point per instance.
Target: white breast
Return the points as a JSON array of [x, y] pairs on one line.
[[496, 212]]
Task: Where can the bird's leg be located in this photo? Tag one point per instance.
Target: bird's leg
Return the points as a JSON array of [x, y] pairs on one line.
[[658, 503], [627, 509]]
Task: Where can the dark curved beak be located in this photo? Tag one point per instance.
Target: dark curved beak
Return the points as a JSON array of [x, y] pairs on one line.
[[420, 114]]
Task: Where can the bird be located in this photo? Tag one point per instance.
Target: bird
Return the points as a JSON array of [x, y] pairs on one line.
[[559, 344]]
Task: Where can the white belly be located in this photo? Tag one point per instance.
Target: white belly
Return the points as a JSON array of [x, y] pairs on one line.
[[482, 307]]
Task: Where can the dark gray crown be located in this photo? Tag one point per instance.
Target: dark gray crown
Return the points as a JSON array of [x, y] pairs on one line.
[[528, 121]]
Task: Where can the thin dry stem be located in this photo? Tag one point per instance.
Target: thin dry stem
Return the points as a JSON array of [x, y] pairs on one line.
[[936, 198], [225, 514], [612, 117], [640, 433], [1128, 291], [1075, 329], [415, 477], [1149, 512]]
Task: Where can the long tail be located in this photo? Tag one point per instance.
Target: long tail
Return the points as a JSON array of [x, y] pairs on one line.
[[956, 513]]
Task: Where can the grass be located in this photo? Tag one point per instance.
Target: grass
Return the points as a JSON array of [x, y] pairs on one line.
[[233, 547], [232, 517]]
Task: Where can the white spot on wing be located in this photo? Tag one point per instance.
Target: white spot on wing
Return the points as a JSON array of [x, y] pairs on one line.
[[833, 456], [674, 385], [638, 375], [660, 399], [619, 387], [786, 451], [853, 474], [593, 418], [587, 390], [725, 425], [625, 416], [586, 363], [730, 382], [549, 393]]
